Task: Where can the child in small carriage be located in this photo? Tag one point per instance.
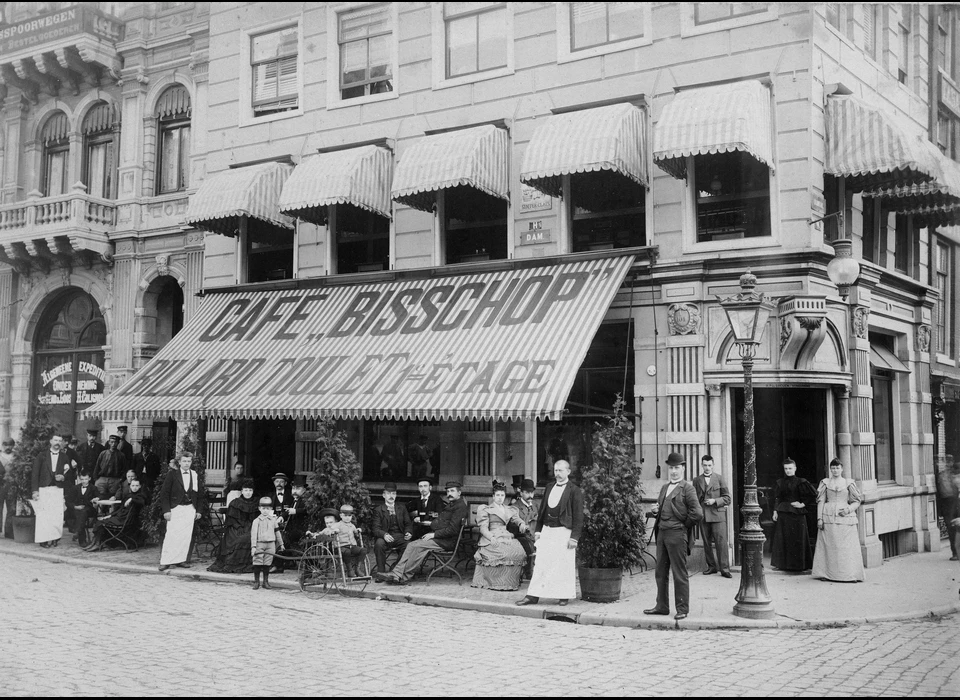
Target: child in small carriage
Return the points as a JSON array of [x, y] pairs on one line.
[[347, 535]]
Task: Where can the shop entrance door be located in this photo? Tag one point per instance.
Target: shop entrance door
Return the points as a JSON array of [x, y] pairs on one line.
[[790, 423], [271, 447]]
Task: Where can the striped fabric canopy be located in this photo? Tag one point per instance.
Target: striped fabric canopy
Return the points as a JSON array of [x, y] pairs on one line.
[[604, 138], [476, 158], [870, 150], [253, 191], [495, 345], [358, 176], [714, 119]]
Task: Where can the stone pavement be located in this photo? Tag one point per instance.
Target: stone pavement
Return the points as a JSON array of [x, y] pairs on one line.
[[908, 587], [79, 630]]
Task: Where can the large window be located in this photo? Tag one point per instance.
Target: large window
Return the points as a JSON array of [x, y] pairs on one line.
[[884, 447], [365, 43], [597, 23], [872, 27], [361, 240], [945, 304], [606, 212], [906, 46], [269, 254], [56, 154], [474, 226], [871, 231], [173, 121], [101, 131], [733, 196], [68, 373], [475, 37], [274, 60]]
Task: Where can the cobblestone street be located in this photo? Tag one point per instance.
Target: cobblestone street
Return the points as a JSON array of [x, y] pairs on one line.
[[73, 630]]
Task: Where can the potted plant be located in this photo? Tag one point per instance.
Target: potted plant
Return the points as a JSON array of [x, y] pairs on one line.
[[613, 518], [34, 439], [336, 480]]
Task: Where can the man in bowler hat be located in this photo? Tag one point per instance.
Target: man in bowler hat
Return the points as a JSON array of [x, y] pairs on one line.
[[677, 511]]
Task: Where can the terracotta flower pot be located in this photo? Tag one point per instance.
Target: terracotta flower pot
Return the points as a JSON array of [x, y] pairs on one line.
[[24, 527]]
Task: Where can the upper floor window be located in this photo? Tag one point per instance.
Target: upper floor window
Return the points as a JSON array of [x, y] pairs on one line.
[[366, 60], [707, 12], [733, 196], [101, 129], [873, 230], [597, 23], [173, 118], [274, 62], [56, 152], [871, 30], [903, 244], [475, 37], [474, 226], [361, 240], [944, 305], [906, 47]]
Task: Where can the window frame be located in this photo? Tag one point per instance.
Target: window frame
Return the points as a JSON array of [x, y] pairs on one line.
[[61, 147], [689, 26], [889, 381], [90, 141], [334, 231], [169, 126], [439, 49], [334, 98], [565, 52], [247, 116], [905, 45], [943, 319], [442, 218]]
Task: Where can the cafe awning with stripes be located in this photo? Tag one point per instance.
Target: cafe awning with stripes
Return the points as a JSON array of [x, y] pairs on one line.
[[358, 176], [504, 344], [714, 119], [872, 151], [252, 191], [606, 139], [476, 158]]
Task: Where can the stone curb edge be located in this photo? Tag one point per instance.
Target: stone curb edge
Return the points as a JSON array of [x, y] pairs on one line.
[[545, 612]]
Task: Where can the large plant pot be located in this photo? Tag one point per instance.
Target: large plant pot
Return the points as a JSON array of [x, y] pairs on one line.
[[24, 527], [600, 585]]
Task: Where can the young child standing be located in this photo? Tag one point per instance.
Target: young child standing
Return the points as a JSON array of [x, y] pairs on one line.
[[346, 534], [265, 540]]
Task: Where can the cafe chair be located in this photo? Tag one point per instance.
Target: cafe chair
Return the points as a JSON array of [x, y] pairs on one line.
[[126, 535], [445, 558]]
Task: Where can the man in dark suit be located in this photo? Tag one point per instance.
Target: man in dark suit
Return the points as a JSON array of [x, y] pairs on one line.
[[89, 451], [714, 498], [392, 527], [678, 510], [445, 531], [51, 471], [180, 504], [146, 463], [126, 449], [110, 468], [425, 508], [85, 499]]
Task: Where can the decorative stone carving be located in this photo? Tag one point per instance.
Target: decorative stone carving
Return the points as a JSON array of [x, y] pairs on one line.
[[163, 262], [802, 330], [683, 319], [809, 324], [786, 329], [923, 338], [65, 275], [861, 321], [195, 238]]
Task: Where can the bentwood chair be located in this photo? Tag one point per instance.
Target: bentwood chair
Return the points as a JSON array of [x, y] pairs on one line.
[[446, 558]]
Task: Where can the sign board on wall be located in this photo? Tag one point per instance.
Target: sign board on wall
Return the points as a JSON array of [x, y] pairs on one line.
[[55, 26], [58, 386], [532, 199]]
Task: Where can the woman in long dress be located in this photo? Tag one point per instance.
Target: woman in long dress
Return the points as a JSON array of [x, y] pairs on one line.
[[838, 545], [500, 556], [235, 556], [793, 496]]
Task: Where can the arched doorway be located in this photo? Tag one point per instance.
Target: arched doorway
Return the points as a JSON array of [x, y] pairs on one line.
[[169, 309], [68, 371]]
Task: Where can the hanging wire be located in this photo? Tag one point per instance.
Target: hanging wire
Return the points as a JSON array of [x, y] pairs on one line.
[[629, 344]]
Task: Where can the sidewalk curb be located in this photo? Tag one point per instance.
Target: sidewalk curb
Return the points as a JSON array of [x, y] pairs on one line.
[[546, 612]]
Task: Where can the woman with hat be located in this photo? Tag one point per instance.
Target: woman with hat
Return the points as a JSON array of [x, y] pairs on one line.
[[265, 540], [499, 556], [235, 557]]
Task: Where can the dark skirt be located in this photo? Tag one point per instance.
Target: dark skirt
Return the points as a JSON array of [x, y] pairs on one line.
[[791, 543], [235, 556]]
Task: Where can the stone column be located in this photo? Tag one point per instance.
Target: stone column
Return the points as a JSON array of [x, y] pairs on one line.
[[13, 125], [844, 452], [6, 341]]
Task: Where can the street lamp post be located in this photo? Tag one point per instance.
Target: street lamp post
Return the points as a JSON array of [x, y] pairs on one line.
[[747, 313]]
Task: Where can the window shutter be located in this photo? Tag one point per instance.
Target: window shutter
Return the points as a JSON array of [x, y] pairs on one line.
[[55, 129]]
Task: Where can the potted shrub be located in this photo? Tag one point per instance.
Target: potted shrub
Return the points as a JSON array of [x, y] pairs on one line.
[[613, 518], [34, 439], [336, 479]]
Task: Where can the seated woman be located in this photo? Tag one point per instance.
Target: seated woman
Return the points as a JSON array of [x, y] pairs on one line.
[[838, 555], [500, 556], [125, 521], [234, 485], [235, 556]]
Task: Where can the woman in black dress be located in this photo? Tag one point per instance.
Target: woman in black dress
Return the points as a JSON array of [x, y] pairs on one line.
[[235, 556], [793, 499]]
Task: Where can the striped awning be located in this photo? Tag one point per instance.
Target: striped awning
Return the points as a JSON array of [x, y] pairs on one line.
[[358, 176], [505, 344], [871, 150], [476, 157], [882, 358], [252, 191], [933, 203], [714, 119], [607, 138]]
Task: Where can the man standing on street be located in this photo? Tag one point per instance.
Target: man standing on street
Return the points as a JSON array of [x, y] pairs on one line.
[[126, 449], [8, 494], [110, 468], [146, 463], [445, 530], [89, 451], [51, 469], [677, 511], [714, 498], [392, 526], [180, 504]]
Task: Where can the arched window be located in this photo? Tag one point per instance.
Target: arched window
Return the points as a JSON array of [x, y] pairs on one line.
[[101, 131], [68, 374], [173, 161], [56, 151]]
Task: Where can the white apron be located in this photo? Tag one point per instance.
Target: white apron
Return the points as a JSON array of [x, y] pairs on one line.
[[555, 572], [49, 508], [176, 543]]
